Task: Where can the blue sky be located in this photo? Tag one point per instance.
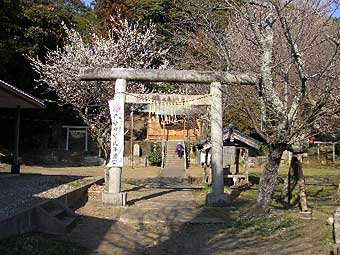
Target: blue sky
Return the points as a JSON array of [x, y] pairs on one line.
[[87, 2], [337, 13]]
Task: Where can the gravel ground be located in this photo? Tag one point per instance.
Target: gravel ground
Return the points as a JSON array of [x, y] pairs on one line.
[[22, 192], [36, 184]]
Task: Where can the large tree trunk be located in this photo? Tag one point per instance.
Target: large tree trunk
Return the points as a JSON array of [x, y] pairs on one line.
[[268, 179]]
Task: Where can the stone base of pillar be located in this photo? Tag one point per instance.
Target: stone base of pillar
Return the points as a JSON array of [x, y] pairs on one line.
[[118, 199], [219, 200]]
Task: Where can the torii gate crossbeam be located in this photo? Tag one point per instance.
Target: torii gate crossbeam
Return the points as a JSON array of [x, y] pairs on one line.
[[122, 75]]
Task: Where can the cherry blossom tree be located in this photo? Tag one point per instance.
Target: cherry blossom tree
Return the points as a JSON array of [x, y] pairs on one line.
[[127, 45]]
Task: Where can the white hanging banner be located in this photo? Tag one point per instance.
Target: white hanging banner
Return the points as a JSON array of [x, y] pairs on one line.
[[117, 133]]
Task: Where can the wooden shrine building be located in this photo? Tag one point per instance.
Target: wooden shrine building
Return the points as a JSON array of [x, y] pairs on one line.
[[236, 146], [173, 122], [12, 97]]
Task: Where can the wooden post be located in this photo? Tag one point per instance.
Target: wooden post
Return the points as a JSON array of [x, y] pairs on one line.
[[289, 183], [15, 169], [295, 176], [67, 138], [131, 139], [184, 128], [301, 182], [163, 143], [237, 161], [86, 140], [163, 131], [246, 164], [289, 157]]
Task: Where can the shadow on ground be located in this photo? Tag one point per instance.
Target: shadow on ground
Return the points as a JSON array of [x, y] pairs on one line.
[[100, 230]]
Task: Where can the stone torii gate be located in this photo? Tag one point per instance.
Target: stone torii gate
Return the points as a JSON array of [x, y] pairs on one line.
[[121, 75]]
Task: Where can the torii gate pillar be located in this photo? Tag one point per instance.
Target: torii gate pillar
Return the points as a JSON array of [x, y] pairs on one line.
[[217, 197], [114, 195]]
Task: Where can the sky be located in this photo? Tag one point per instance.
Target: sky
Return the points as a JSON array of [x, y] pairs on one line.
[[87, 2], [337, 13]]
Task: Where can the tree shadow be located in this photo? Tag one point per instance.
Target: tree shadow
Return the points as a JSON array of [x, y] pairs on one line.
[[114, 237], [158, 194], [207, 231], [101, 230]]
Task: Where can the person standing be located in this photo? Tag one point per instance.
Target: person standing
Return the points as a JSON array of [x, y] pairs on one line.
[[179, 150]]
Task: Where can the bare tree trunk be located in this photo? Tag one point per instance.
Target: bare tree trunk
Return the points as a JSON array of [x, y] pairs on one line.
[[268, 179]]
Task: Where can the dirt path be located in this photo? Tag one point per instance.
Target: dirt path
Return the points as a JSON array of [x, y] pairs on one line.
[[172, 229], [128, 172], [139, 230]]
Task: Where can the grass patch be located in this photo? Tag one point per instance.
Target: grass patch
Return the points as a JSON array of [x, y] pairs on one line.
[[263, 227], [5, 169], [38, 245], [285, 221], [80, 182]]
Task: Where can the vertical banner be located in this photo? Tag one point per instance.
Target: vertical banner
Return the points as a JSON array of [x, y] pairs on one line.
[[117, 133]]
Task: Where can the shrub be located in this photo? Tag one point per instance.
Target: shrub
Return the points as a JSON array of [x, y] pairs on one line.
[[155, 156]]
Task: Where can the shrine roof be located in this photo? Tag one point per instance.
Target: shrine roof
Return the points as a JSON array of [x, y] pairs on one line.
[[11, 97], [231, 136]]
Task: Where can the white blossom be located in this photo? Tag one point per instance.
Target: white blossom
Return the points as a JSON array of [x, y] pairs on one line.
[[126, 46]]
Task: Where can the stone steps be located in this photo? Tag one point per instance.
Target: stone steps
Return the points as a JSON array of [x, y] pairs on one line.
[[56, 218], [172, 160]]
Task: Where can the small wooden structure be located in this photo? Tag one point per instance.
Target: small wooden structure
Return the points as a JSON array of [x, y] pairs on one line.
[[12, 97], [236, 146]]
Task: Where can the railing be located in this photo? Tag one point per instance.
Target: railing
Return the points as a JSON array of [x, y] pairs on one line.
[[185, 155], [164, 153]]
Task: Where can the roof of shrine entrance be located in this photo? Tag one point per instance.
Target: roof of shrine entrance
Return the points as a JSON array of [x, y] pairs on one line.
[[12, 97], [232, 136]]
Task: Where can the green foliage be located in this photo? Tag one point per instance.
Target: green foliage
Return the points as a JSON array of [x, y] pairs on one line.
[[155, 157], [146, 10], [156, 11], [33, 26]]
